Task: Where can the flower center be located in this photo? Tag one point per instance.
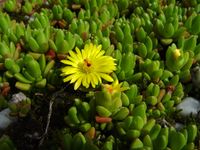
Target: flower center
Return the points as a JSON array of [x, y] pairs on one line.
[[112, 89], [87, 62], [177, 53], [87, 66]]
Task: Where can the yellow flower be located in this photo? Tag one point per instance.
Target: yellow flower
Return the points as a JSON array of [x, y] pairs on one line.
[[115, 87], [177, 53], [88, 66]]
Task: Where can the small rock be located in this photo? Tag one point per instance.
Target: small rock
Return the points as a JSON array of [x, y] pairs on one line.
[[18, 97], [179, 126], [189, 106], [6, 119]]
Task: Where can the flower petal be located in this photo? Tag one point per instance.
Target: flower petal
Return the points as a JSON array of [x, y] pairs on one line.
[[99, 69], [106, 77], [79, 55], [73, 55], [92, 80], [67, 62], [68, 78], [72, 77], [87, 81], [74, 60], [75, 77], [98, 77], [69, 70], [78, 83], [84, 82], [101, 53]]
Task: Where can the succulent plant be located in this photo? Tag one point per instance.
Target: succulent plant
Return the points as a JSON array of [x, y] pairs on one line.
[[176, 58], [79, 116], [29, 72], [6, 143], [37, 39], [108, 101], [39, 21], [62, 42], [21, 108], [148, 64]]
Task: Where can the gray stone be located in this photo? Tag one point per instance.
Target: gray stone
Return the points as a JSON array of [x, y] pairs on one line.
[[16, 98], [6, 119], [188, 106]]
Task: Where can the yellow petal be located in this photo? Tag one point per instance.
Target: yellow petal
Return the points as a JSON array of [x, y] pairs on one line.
[[75, 77], [68, 78], [84, 55], [92, 80], [84, 81], [101, 53], [87, 81], [95, 52], [106, 77], [73, 55], [99, 47], [98, 77], [86, 46], [67, 62], [78, 83], [69, 70], [71, 77], [104, 69], [103, 61], [74, 60], [79, 55]]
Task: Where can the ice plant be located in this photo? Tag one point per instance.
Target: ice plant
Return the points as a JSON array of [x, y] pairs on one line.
[[176, 58], [88, 66], [115, 87], [177, 53]]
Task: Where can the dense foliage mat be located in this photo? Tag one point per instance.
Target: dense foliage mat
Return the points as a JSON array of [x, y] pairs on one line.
[[99, 74]]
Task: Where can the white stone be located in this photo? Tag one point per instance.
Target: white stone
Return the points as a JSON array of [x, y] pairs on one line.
[[16, 98], [188, 106], [6, 119]]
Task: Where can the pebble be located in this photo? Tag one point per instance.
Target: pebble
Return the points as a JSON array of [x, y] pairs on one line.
[[6, 119], [189, 106]]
